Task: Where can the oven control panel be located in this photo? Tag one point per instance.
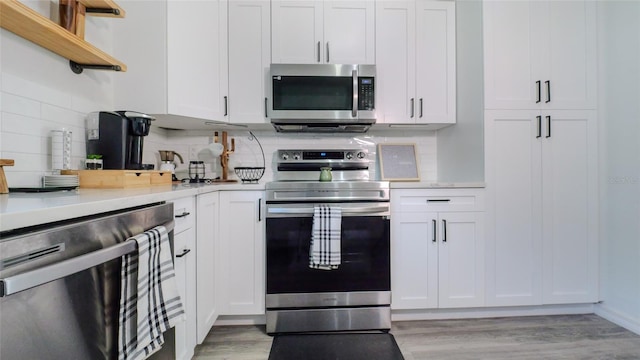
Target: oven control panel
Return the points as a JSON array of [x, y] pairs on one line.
[[323, 155]]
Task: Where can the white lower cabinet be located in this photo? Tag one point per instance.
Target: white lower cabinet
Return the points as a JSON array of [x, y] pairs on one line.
[[207, 229], [437, 244], [240, 265], [185, 270]]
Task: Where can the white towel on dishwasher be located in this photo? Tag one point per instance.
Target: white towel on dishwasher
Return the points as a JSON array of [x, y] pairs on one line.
[[149, 299], [325, 252]]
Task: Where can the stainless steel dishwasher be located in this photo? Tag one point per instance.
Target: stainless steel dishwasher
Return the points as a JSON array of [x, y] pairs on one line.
[[60, 285]]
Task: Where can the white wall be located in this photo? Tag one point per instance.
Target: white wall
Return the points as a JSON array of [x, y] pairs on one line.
[[619, 113], [39, 93], [461, 147]]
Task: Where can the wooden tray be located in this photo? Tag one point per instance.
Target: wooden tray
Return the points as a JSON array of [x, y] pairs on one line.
[[120, 179]]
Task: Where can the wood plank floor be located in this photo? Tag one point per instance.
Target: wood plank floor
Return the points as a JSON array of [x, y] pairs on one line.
[[583, 337]]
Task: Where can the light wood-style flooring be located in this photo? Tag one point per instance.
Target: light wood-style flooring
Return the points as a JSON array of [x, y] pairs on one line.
[[583, 337]]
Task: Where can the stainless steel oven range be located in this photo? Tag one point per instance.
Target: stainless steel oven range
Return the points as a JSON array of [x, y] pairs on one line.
[[357, 294]]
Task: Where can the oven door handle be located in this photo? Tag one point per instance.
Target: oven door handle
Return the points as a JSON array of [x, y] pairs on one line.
[[345, 211], [43, 275]]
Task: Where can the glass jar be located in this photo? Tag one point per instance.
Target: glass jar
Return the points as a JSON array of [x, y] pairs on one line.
[[196, 170], [325, 174]]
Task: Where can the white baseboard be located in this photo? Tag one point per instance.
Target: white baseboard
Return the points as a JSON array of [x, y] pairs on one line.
[[240, 320], [441, 314], [629, 323]]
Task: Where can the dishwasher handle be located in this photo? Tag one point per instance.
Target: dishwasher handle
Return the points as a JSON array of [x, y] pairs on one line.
[[43, 275]]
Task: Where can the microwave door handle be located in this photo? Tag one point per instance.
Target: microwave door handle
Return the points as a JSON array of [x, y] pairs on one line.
[[354, 108]]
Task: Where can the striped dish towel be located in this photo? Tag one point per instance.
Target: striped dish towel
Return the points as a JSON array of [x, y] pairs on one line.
[[149, 299], [325, 237]]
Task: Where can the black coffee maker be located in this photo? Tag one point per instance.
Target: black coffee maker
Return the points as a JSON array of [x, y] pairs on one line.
[[119, 137]]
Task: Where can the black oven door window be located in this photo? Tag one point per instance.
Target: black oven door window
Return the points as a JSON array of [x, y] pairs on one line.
[[312, 93], [365, 257]]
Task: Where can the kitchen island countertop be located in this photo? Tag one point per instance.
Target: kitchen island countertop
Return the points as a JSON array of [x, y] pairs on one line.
[[18, 210]]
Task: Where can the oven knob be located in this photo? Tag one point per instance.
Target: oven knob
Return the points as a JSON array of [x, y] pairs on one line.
[[284, 156], [296, 156], [361, 155], [349, 156]]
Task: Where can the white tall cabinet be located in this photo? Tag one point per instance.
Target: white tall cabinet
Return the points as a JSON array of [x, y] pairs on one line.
[[240, 265], [416, 62], [540, 54], [325, 32], [437, 248], [541, 152]]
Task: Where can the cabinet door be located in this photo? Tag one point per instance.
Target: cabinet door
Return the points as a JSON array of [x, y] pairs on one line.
[[435, 62], [349, 32], [249, 60], [514, 192], [510, 48], [414, 261], [185, 270], [241, 272], [570, 273], [461, 257], [296, 32], [570, 56], [395, 61], [206, 257], [197, 59]]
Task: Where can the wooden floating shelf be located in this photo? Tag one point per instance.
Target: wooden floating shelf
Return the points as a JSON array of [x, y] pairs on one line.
[[29, 24]]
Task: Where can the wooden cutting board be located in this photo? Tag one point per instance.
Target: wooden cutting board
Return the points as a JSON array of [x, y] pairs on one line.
[[4, 188], [120, 179]]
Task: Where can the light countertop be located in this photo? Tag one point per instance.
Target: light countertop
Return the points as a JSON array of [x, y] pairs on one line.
[[18, 210], [434, 185]]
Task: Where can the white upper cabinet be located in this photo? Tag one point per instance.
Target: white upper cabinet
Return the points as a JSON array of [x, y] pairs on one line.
[[197, 59], [416, 62], [540, 54], [177, 56], [249, 60], [325, 32]]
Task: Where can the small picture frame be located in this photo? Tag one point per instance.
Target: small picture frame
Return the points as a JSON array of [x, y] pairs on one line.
[[398, 162]]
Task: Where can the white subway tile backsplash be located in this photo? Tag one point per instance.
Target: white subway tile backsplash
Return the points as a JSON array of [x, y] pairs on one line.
[[20, 105], [34, 91]]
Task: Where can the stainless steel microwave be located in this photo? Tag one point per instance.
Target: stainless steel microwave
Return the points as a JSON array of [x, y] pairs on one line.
[[322, 97]]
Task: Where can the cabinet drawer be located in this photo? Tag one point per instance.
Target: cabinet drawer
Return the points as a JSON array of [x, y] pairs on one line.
[[439, 200], [184, 214]]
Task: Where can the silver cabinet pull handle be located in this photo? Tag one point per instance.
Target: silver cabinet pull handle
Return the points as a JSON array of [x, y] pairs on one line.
[[184, 214], [434, 225], [539, 118], [184, 252], [444, 230], [318, 51], [548, 83], [43, 275], [328, 52], [548, 126], [412, 106]]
